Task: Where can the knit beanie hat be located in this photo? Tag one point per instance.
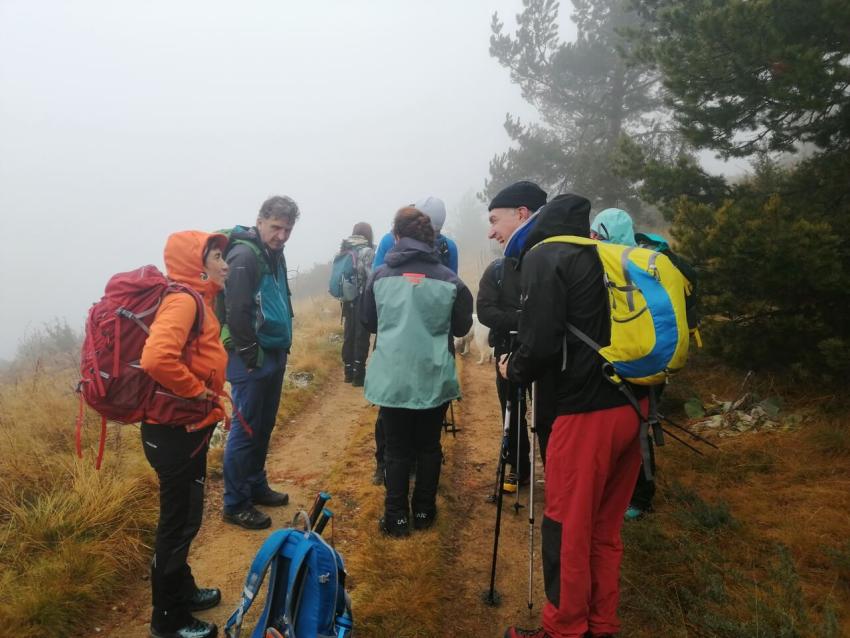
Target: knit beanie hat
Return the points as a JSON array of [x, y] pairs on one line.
[[435, 209], [518, 194]]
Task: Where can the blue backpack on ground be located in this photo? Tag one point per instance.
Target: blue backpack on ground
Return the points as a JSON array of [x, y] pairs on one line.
[[306, 595]]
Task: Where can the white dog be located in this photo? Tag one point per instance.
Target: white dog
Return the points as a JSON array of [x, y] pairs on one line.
[[462, 343], [481, 336]]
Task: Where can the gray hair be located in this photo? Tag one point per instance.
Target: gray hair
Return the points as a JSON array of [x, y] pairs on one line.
[[279, 207]]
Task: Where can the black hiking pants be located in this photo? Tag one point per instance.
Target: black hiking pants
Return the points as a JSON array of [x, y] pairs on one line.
[[180, 461], [412, 435], [355, 336], [380, 438], [503, 387], [644, 491]]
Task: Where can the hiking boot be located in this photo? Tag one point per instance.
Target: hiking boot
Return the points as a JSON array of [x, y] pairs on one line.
[[348, 374], [378, 476], [633, 513], [510, 485], [250, 518], [195, 629], [396, 528], [358, 372], [423, 520], [204, 598], [270, 498], [516, 632]]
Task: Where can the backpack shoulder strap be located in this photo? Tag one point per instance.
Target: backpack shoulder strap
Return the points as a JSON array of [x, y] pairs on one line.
[[302, 550], [200, 313], [569, 239], [258, 253], [265, 555]]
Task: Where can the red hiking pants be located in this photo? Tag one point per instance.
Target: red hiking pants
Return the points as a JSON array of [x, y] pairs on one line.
[[592, 462]]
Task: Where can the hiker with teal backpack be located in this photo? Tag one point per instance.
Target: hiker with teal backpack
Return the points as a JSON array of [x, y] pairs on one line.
[[257, 333], [615, 225], [613, 321], [414, 304], [350, 270]]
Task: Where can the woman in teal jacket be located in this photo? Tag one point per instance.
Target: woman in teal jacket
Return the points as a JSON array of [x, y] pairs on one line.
[[414, 304]]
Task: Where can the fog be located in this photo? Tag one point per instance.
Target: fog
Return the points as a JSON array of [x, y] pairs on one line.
[[123, 122]]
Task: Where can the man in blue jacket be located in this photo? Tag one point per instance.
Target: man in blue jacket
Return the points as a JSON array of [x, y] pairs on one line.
[[257, 335]]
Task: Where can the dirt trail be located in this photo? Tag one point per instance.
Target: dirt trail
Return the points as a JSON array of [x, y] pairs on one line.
[[332, 434], [475, 475]]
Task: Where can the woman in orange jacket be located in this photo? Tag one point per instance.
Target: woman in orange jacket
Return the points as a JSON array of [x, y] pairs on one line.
[[189, 363]]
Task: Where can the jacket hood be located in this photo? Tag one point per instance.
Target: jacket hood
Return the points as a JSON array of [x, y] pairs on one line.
[[564, 215], [184, 259], [407, 249], [653, 241], [516, 242], [355, 241], [615, 226]]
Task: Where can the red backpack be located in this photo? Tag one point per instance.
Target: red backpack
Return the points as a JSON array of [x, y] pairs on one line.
[[112, 382]]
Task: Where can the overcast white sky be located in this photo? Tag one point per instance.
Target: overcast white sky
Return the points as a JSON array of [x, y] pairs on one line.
[[121, 122]]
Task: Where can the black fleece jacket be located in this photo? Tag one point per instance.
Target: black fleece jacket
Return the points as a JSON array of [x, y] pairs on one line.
[[497, 302]]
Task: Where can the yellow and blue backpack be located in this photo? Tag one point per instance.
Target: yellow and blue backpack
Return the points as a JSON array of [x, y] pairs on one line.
[[646, 299]]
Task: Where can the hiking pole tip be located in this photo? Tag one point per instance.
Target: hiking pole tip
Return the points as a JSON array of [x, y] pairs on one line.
[[491, 598]]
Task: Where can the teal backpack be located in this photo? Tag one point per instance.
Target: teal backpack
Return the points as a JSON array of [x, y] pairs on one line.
[[343, 283]]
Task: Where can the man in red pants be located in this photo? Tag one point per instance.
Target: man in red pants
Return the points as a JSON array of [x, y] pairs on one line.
[[593, 454]]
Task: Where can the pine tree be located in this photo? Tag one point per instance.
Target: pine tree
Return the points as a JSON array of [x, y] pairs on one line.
[[590, 101]]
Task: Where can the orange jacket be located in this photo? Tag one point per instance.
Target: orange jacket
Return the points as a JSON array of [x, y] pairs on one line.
[[163, 354]]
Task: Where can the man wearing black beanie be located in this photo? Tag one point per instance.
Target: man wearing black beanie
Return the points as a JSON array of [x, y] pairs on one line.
[[594, 450], [498, 308]]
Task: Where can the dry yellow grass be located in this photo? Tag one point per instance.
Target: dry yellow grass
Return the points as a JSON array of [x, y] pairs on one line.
[[68, 534]]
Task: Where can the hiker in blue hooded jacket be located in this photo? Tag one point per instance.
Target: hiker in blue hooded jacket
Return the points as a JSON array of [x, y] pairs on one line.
[[413, 303], [257, 334]]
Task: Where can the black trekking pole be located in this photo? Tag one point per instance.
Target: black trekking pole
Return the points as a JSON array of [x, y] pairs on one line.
[[531, 497], [495, 497], [491, 596], [683, 442], [500, 480], [318, 505], [690, 433], [520, 410]]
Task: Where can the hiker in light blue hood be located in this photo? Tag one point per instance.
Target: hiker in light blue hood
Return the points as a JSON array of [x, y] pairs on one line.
[[615, 226]]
